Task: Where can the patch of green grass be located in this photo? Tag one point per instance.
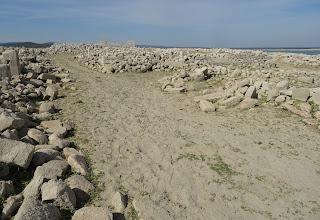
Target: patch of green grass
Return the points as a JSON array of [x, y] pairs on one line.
[[132, 214], [219, 166], [190, 156], [314, 108], [222, 168]]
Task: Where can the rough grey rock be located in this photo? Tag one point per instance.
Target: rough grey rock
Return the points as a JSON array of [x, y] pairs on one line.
[[10, 121], [10, 134], [38, 136], [33, 209], [248, 103], [213, 97], [206, 106], [282, 85], [54, 126], [199, 74], [52, 169], [11, 205], [251, 92], [6, 188], [47, 107], [43, 155], [60, 193], [78, 164], [232, 101], [92, 213], [81, 187], [70, 151], [119, 202], [301, 94], [51, 92], [16, 152]]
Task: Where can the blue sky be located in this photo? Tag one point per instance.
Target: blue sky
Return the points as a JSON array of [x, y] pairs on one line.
[[212, 23]]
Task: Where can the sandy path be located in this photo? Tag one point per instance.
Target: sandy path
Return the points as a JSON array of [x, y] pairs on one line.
[[180, 163]]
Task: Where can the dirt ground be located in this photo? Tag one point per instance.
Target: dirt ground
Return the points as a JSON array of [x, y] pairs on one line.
[[177, 162]]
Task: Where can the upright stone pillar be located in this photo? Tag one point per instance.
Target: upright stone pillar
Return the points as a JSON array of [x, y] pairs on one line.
[[4, 71], [13, 58]]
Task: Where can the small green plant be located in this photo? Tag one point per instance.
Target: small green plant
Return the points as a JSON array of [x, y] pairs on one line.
[[190, 156], [222, 168], [132, 214]]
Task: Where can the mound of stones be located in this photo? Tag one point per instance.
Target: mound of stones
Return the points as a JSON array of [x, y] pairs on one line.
[[42, 175], [239, 79]]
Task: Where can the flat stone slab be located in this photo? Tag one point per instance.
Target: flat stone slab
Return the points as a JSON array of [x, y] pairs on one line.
[[16, 152]]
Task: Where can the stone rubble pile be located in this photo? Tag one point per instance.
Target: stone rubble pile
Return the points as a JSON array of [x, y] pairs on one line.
[[42, 175], [234, 78]]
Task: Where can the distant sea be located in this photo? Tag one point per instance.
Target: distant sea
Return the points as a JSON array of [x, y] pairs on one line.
[[297, 51]]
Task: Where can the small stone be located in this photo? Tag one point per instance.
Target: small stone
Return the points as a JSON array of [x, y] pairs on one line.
[[119, 202], [248, 103], [78, 164], [206, 106], [54, 139], [51, 92], [199, 74], [54, 126], [280, 99], [272, 94], [213, 97], [60, 193], [87, 213], [283, 85], [232, 101], [251, 92], [70, 151], [47, 107], [38, 136]]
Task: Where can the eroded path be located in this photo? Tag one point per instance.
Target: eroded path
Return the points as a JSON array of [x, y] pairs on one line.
[[180, 163]]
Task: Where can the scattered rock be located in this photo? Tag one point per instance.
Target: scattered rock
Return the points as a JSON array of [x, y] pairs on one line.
[[11, 206], [60, 193], [33, 209], [301, 94], [6, 188], [16, 152], [78, 164], [206, 106], [81, 187], [38, 136], [119, 202]]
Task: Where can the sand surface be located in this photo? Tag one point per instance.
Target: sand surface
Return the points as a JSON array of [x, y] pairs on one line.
[[177, 162]]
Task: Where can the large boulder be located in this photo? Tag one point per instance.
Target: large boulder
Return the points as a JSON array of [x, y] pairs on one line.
[[199, 74], [37, 136], [81, 187], [301, 94], [33, 209], [9, 120], [16, 152]]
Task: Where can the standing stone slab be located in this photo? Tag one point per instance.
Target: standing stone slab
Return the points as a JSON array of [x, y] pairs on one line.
[[13, 58], [16, 152], [4, 71]]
